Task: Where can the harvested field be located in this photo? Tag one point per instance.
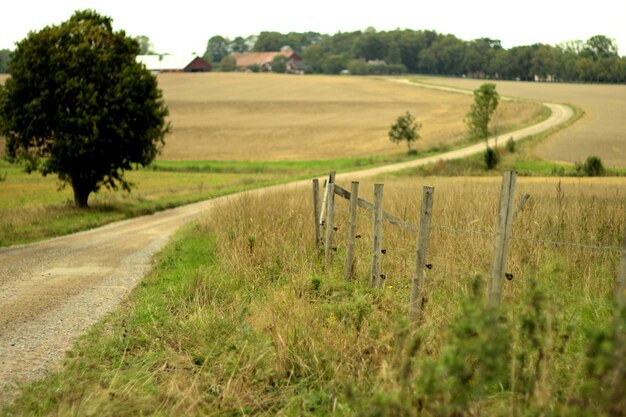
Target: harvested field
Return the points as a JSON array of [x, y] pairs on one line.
[[601, 132], [235, 116]]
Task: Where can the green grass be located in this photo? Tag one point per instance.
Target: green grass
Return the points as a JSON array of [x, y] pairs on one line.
[[35, 207]]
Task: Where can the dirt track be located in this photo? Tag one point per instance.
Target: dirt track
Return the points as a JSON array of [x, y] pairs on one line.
[[52, 291]]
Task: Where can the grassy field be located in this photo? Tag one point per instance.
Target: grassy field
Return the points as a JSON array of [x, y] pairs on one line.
[[601, 132], [240, 317], [239, 131], [269, 117], [34, 207]]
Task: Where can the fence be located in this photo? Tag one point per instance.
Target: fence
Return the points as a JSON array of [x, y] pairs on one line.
[[324, 218]]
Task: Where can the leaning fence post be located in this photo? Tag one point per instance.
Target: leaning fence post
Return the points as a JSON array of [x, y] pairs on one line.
[[350, 262], [417, 287], [621, 277], [378, 235], [503, 231], [330, 218], [316, 213]]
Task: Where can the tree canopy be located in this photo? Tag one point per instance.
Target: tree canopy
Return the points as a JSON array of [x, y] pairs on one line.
[[79, 105], [429, 52]]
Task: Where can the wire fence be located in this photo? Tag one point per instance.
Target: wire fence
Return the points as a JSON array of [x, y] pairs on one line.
[[501, 234], [413, 230]]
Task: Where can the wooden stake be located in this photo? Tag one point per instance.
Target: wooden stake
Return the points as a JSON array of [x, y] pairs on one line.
[[350, 261], [324, 203], [316, 214], [330, 218], [501, 242], [378, 235], [621, 277], [417, 288]]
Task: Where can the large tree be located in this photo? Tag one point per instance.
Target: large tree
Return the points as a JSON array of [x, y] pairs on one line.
[[217, 48], [5, 58], [79, 105]]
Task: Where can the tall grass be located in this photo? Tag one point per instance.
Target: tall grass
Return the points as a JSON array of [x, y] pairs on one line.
[[240, 316]]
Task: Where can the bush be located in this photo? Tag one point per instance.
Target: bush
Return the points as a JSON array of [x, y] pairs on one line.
[[357, 67], [593, 167], [492, 157], [511, 145]]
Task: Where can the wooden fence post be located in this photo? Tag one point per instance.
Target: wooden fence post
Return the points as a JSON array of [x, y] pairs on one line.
[[350, 261], [417, 287], [316, 213], [330, 218], [324, 204], [621, 277], [501, 242], [378, 234]]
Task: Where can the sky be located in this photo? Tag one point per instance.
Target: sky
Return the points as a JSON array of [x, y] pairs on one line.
[[184, 26]]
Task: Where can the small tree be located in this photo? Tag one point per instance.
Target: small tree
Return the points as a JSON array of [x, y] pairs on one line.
[[405, 129], [477, 120], [79, 105]]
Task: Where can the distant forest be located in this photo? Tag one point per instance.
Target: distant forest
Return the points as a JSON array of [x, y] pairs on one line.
[[371, 52], [429, 52]]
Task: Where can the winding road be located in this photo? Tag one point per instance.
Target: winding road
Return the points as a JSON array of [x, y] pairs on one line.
[[53, 291]]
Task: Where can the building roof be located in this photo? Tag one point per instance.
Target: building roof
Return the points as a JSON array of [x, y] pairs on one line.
[[166, 62], [245, 59]]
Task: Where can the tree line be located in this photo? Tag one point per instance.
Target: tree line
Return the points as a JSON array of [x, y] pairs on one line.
[[429, 52]]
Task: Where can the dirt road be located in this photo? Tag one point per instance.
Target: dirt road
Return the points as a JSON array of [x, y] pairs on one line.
[[52, 291]]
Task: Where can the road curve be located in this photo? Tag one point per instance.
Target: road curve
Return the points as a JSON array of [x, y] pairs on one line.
[[53, 291]]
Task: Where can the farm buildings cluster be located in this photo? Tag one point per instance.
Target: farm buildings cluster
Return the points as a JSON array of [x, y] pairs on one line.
[[244, 61]]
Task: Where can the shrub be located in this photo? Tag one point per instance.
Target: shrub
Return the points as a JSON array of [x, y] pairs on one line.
[[593, 167], [511, 145], [492, 157]]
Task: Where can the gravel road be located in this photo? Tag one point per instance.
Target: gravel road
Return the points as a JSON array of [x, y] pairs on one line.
[[53, 291]]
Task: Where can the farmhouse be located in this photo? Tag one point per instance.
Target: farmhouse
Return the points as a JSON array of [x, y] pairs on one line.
[[263, 60], [174, 63]]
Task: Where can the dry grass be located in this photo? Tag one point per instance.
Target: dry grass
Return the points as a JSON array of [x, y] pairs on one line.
[[601, 132], [241, 318], [280, 117], [587, 211]]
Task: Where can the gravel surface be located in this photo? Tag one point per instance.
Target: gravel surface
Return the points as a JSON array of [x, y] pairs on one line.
[[51, 292]]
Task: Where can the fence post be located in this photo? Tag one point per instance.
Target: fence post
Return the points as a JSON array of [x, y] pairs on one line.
[[417, 287], [621, 276], [316, 213], [350, 262], [330, 217], [378, 234], [503, 230]]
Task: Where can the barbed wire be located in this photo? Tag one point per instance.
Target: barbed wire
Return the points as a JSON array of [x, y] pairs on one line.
[[455, 230], [569, 244]]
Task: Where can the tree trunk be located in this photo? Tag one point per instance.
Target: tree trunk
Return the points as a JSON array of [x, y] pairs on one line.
[[81, 195]]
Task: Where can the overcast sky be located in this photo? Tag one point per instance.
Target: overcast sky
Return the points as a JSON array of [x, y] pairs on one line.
[[184, 26]]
